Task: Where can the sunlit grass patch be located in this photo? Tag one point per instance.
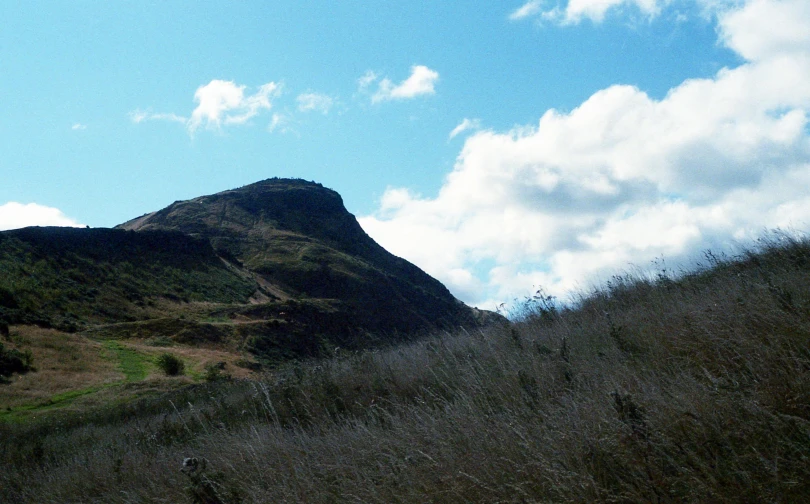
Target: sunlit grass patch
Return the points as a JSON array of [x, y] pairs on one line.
[[64, 362], [133, 364]]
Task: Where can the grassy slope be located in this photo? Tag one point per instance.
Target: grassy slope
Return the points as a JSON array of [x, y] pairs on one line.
[[68, 278], [75, 372], [693, 389]]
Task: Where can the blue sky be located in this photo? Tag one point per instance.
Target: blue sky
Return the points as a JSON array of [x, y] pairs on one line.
[[502, 146]]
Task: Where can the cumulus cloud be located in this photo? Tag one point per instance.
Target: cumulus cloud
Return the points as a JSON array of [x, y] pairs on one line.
[[314, 102], [623, 178], [218, 103], [17, 215], [224, 102], [767, 29], [577, 10], [421, 82], [465, 125]]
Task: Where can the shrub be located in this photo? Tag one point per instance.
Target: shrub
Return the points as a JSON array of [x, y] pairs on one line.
[[14, 361], [7, 298], [215, 372], [170, 364], [252, 366]]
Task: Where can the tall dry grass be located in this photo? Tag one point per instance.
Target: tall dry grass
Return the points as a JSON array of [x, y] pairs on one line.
[[693, 388]]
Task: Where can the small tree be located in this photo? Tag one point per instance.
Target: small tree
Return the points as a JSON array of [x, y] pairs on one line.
[[4, 330], [170, 364]]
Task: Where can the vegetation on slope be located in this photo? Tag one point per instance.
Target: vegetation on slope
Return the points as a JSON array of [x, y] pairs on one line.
[[70, 278], [662, 389], [14, 361]]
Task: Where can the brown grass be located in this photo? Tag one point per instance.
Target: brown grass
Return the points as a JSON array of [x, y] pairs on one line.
[[69, 363], [64, 362], [196, 358], [651, 389]]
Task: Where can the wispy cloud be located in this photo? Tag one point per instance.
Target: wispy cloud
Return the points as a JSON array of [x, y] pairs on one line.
[[527, 10], [421, 82], [282, 122], [466, 124], [315, 102], [575, 11], [138, 116], [78, 127], [367, 79], [15, 215]]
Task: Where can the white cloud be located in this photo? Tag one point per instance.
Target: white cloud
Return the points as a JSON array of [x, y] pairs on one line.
[[466, 124], [224, 102], [623, 178], [527, 10], [138, 116], [78, 127], [766, 28], [17, 215], [281, 123], [218, 103], [367, 79], [422, 81], [577, 10], [314, 102]]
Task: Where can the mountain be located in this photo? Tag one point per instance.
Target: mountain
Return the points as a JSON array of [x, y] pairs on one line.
[[279, 267]]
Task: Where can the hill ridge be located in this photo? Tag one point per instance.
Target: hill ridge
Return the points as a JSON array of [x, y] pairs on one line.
[[283, 252]]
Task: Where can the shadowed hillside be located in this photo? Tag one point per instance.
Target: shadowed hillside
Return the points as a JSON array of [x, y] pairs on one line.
[[278, 268], [300, 241]]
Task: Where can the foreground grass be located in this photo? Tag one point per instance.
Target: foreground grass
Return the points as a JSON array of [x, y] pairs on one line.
[[688, 389]]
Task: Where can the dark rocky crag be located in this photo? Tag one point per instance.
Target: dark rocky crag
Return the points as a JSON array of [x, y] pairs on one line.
[[279, 267]]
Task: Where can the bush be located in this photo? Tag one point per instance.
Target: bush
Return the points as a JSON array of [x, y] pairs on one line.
[[14, 361], [215, 372], [170, 364], [250, 365], [7, 299]]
